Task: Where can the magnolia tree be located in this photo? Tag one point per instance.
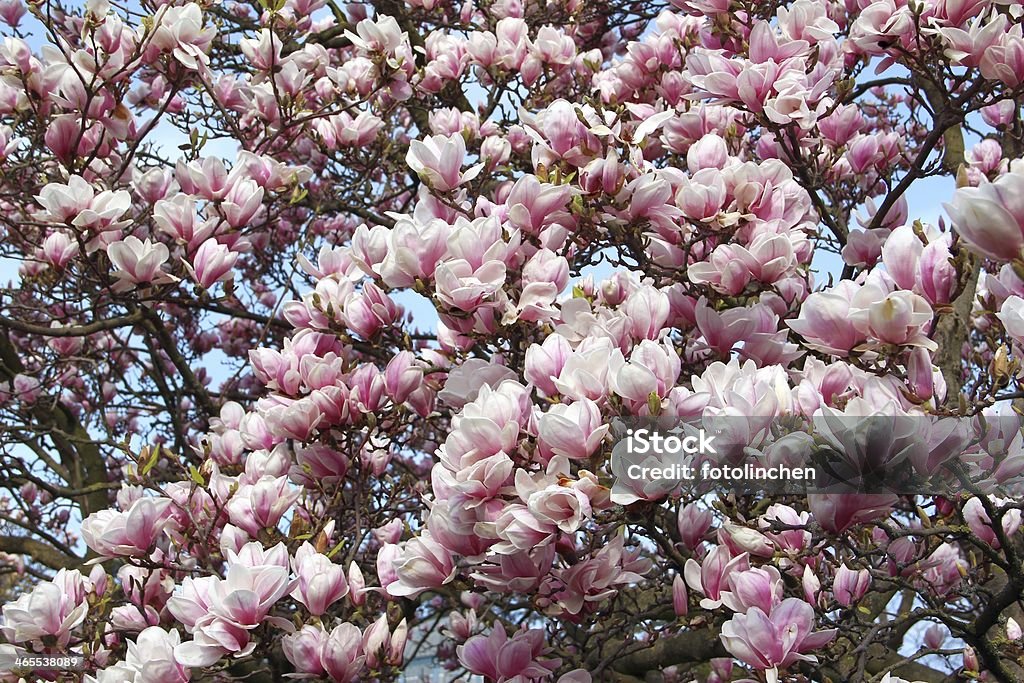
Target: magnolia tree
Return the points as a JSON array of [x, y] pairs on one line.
[[238, 443]]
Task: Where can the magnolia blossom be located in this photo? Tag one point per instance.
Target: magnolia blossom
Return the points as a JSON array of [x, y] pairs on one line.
[[989, 217], [138, 262], [899, 318], [421, 563], [261, 505], [212, 263], [321, 582], [51, 610], [128, 533], [850, 586], [150, 657], [980, 523], [498, 657], [438, 160], [220, 613], [179, 30], [776, 639], [572, 430]]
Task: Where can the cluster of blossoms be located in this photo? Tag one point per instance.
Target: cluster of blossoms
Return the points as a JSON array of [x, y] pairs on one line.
[[333, 390]]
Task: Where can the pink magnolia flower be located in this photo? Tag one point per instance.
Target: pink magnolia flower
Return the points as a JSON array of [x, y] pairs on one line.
[[138, 262], [990, 217], [62, 135], [64, 202], [680, 597], [130, 533], [11, 11], [207, 178], [924, 269], [179, 30], [837, 512], [1011, 314], [779, 639], [370, 310], [532, 205], [413, 250], [487, 425], [841, 125], [604, 174], [709, 576], [177, 218], [342, 130], [693, 524], [596, 579], [263, 52], [793, 539], [849, 586], [574, 430], [708, 152], [499, 658], [382, 646], [647, 309], [824, 320], [341, 653], [212, 263], [742, 540], [296, 420], [381, 34], [768, 259], [421, 563], [402, 376], [261, 505], [811, 584], [221, 613], [519, 529], [58, 249], [756, 587], [898, 318], [553, 46], [356, 584], [303, 647], [722, 331], [150, 657], [1004, 60], [653, 368], [544, 362], [320, 582], [564, 505], [943, 570], [520, 571], [999, 114], [584, 373], [318, 463], [702, 196], [242, 202], [52, 609], [466, 288], [981, 524], [465, 381], [437, 159]]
